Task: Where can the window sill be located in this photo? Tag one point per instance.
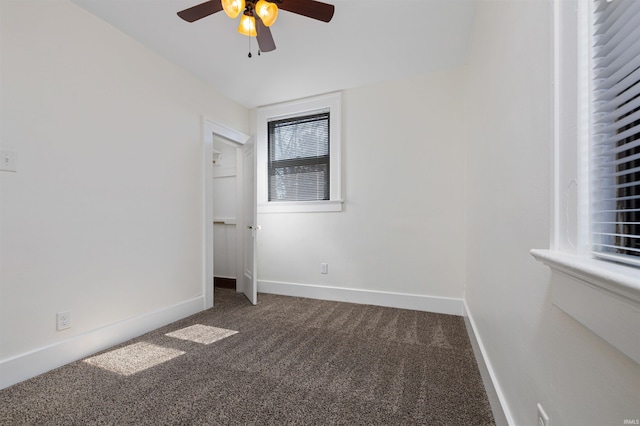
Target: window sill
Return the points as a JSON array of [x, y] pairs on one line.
[[301, 207], [602, 296]]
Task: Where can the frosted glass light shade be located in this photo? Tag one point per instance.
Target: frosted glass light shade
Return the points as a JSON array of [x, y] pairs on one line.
[[247, 26], [233, 7], [267, 11]]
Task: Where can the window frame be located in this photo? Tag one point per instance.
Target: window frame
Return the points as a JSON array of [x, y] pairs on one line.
[[274, 165], [602, 295], [331, 103]]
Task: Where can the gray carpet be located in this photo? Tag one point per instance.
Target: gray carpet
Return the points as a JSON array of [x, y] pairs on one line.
[[292, 361]]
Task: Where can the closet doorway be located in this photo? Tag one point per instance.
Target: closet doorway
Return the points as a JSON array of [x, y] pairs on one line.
[[229, 211], [226, 192]]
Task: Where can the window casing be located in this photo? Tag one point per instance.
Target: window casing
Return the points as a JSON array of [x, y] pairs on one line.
[[296, 170], [604, 296]]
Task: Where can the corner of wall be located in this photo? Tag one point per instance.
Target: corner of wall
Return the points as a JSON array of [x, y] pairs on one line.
[[501, 413]]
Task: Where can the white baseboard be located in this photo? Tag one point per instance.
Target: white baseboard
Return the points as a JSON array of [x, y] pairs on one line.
[[41, 360], [441, 305], [501, 412]]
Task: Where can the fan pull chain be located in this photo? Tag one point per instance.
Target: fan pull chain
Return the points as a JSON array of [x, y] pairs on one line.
[[250, 55], [257, 26]]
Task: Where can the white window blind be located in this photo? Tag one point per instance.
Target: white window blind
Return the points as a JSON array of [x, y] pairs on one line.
[[299, 158], [615, 148]]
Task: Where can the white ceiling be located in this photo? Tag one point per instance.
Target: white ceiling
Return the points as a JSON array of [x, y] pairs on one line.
[[367, 41]]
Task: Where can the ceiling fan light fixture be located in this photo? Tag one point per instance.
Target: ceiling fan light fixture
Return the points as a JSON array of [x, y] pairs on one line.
[[267, 11], [247, 26], [233, 7]]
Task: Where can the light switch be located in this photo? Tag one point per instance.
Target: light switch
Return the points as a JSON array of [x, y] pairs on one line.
[[7, 160]]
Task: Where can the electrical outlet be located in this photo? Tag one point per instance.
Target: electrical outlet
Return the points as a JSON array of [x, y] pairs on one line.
[[63, 320], [324, 268], [543, 419]]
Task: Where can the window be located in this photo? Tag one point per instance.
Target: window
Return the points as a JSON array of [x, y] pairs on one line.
[[299, 160], [616, 130], [299, 156], [595, 170]]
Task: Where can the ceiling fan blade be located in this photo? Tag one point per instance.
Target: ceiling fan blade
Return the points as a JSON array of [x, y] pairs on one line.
[[309, 8], [265, 39], [201, 11]]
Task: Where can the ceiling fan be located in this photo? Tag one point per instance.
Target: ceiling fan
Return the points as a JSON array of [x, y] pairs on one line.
[[259, 15]]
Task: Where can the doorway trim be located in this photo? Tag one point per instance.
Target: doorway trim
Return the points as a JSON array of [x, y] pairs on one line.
[[209, 129]]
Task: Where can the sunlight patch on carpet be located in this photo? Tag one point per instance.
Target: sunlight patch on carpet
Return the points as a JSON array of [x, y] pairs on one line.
[[134, 358], [199, 333]]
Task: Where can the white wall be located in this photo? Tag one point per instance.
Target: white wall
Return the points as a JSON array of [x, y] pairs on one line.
[[538, 353], [402, 226], [104, 217]]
